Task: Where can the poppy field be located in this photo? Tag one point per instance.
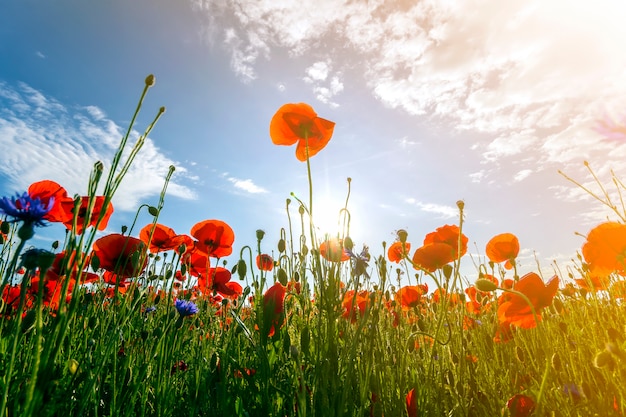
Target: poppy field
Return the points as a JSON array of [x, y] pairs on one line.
[[153, 322]]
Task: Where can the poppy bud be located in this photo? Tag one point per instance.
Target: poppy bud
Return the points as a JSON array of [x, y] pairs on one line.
[[556, 362], [613, 334], [260, 234], [485, 285], [242, 269], [282, 276], [150, 79], [614, 349], [602, 359], [153, 211], [305, 339], [26, 231]]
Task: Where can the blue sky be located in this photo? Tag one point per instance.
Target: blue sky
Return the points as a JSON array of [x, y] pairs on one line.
[[434, 102]]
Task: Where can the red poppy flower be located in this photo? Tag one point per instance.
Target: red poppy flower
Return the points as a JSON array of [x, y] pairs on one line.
[[163, 239], [264, 262], [218, 280], [61, 267], [215, 238], [473, 306], [520, 405], [298, 123], [433, 256], [411, 295], [354, 303], [605, 249], [44, 190], [83, 214], [507, 283], [594, 283], [441, 294], [449, 234], [502, 247], [122, 255], [411, 403], [332, 250], [52, 291], [397, 251], [504, 333], [11, 297], [273, 308], [197, 263], [516, 311]]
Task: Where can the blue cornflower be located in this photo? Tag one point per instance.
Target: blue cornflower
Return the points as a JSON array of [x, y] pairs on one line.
[[185, 308], [573, 391], [150, 309], [359, 262], [23, 208]]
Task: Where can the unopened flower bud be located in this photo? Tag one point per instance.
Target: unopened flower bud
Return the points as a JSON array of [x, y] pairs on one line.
[[602, 359], [485, 285], [150, 80]]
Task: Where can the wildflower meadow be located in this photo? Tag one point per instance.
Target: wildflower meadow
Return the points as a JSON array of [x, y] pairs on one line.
[[149, 321]]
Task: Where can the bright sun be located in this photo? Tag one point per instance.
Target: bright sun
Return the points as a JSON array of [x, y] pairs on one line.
[[328, 217]]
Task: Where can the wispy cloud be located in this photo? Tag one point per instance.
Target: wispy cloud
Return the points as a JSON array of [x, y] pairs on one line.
[[43, 139], [522, 174], [444, 212], [246, 185], [323, 87]]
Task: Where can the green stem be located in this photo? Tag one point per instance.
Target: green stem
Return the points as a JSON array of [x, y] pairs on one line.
[[38, 342], [16, 338]]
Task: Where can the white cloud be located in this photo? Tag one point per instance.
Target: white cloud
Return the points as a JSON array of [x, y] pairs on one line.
[[524, 173], [317, 75], [43, 139], [477, 177], [317, 72], [246, 185], [444, 212]]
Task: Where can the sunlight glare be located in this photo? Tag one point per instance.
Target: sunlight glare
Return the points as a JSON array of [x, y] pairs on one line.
[[328, 217]]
